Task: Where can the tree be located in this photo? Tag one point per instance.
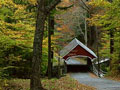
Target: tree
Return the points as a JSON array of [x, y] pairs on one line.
[[43, 10], [50, 52], [16, 33], [106, 17]]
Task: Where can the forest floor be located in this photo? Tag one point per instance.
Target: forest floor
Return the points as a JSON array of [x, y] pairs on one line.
[[64, 83], [113, 78]]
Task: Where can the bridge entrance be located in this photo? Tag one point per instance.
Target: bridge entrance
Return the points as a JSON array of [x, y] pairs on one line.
[[74, 54], [78, 64]]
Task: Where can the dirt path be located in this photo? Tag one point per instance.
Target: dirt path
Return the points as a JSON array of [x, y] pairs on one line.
[[99, 83]]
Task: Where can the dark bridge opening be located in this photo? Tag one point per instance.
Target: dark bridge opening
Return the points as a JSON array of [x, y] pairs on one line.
[[77, 68], [78, 65]]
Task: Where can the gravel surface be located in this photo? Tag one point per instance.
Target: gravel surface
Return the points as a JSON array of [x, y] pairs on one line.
[[99, 83]]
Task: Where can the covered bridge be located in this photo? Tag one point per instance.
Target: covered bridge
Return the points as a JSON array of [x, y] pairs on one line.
[[77, 49]]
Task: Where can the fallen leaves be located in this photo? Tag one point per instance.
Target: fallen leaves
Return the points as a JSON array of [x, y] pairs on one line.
[[64, 83]]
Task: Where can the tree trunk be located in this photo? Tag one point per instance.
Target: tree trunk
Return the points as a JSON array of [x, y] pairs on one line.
[[97, 37], [42, 13], [50, 52], [59, 74], [49, 48], [111, 46], [111, 41], [37, 51], [86, 29]]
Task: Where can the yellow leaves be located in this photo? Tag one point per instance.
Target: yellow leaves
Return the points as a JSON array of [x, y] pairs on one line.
[[2, 25], [20, 7], [16, 22], [98, 3], [1, 2], [100, 9], [45, 42], [15, 34], [20, 11], [94, 20], [11, 4], [19, 35], [33, 2]]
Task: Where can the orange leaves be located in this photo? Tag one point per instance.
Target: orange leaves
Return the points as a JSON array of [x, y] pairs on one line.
[[64, 83], [63, 28], [65, 3], [59, 29]]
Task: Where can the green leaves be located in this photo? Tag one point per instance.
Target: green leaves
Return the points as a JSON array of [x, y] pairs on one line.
[[108, 13], [107, 17], [16, 34]]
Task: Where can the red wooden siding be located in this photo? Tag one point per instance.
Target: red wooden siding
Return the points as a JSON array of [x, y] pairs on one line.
[[78, 50]]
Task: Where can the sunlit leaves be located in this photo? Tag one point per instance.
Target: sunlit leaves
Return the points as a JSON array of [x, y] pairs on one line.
[[32, 2], [16, 22], [107, 16], [107, 13]]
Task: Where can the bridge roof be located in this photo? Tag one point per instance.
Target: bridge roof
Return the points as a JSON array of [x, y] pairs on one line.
[[76, 48]]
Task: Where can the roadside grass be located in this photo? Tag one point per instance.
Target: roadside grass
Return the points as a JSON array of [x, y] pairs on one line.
[[115, 78], [64, 83]]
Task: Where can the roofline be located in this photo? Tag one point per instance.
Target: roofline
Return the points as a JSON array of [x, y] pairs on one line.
[[87, 48], [92, 53], [70, 50]]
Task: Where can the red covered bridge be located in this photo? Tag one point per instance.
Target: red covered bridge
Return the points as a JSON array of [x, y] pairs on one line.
[[77, 49]]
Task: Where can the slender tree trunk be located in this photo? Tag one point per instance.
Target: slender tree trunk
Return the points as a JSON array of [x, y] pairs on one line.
[[85, 29], [111, 46], [49, 48], [59, 74], [111, 41], [37, 50], [50, 52], [97, 35]]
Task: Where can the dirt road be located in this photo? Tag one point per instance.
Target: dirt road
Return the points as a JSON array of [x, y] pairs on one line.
[[99, 83]]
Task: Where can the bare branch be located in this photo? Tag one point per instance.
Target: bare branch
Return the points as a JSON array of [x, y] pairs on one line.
[[52, 5], [85, 4], [84, 8]]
